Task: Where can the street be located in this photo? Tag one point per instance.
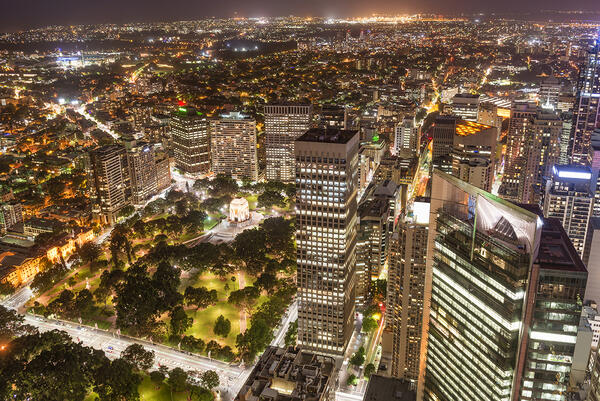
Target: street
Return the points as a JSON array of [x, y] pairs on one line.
[[232, 377]]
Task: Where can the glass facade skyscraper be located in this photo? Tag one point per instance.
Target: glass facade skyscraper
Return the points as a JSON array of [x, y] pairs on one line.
[[506, 288]]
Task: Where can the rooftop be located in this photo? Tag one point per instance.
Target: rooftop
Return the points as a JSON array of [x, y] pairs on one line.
[[288, 374], [329, 135], [466, 128], [556, 249], [382, 388], [572, 173]]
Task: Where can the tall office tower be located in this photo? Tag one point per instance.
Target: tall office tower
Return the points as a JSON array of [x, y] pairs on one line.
[[595, 165], [466, 106], [567, 119], [371, 152], [371, 246], [592, 291], [283, 124], [479, 255], [586, 113], [406, 138], [547, 348], [405, 292], [496, 328], [465, 149], [233, 146], [10, 215], [550, 89], [191, 141], [333, 116], [532, 150], [570, 199], [326, 225], [142, 172], [109, 166]]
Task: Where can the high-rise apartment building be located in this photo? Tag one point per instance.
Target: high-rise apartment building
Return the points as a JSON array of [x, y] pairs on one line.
[[586, 113], [326, 229], [283, 124], [142, 172], [191, 141], [233, 146], [111, 181], [10, 215], [406, 288], [406, 138], [570, 199], [495, 330], [532, 150]]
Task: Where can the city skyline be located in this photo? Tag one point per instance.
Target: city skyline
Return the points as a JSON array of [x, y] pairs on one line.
[[18, 16], [351, 207]]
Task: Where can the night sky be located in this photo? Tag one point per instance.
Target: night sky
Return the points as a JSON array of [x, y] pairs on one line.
[[20, 14]]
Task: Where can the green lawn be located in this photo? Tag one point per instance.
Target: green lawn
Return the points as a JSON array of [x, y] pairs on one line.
[[204, 319]]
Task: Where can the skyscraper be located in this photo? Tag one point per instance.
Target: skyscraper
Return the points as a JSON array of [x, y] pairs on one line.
[[550, 326], [326, 225], [532, 150], [586, 113], [142, 172], [496, 330], [595, 166], [570, 199], [191, 142], [283, 124], [109, 166], [406, 285], [479, 254], [233, 146], [371, 248]]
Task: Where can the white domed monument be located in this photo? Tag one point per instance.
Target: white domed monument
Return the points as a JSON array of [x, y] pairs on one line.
[[239, 212]]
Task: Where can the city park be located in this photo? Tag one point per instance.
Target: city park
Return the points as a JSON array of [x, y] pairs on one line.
[[209, 269]]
